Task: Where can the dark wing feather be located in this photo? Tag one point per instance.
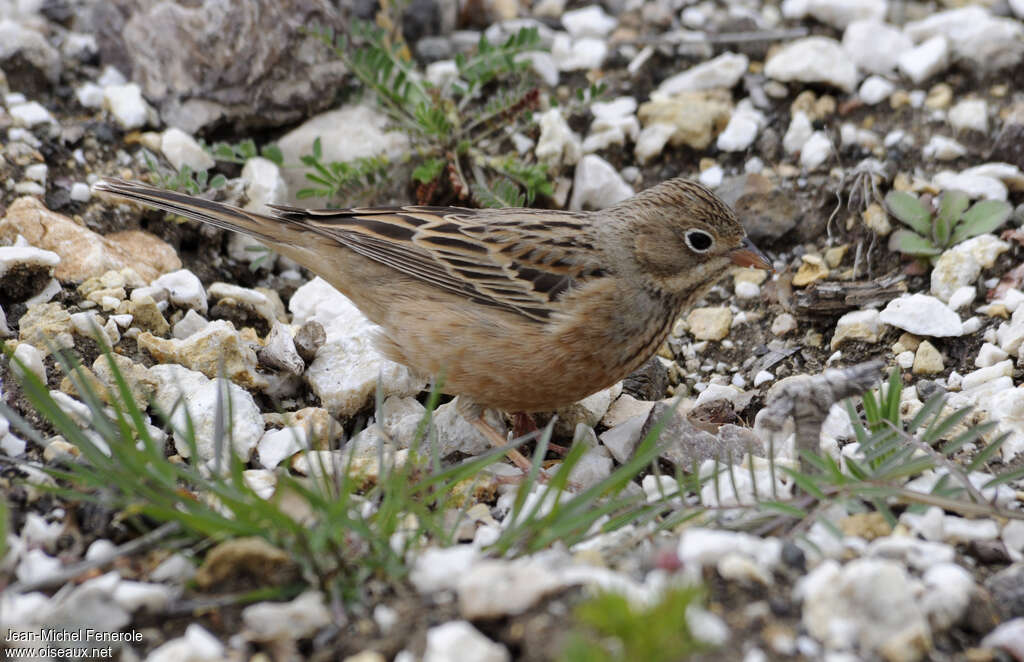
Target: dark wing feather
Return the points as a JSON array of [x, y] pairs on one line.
[[519, 260]]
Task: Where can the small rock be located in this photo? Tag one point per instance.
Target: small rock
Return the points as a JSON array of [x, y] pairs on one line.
[[847, 606], [126, 104], [875, 46], [948, 594], [588, 411], [279, 351], [245, 561], [558, 144], [499, 588], [439, 569], [45, 325], [922, 315], [596, 185], [798, 133], [197, 645], [455, 433], [204, 400], [276, 446], [961, 297], [838, 15], [590, 21], [1009, 637], [875, 90], [287, 621], [723, 71], [622, 439], [813, 60], [739, 133], [181, 149], [30, 114], [989, 355], [614, 122], [624, 408], [190, 324], [83, 253], [815, 151], [215, 349], [986, 42], [652, 140], [942, 148], [927, 360], [697, 116], [783, 324], [975, 182], [961, 265], [308, 339], [175, 569], [969, 114], [459, 640], [578, 54], [812, 269], [862, 325], [710, 323], [930, 58], [80, 192]]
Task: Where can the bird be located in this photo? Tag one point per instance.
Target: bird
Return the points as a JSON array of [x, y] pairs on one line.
[[515, 309]]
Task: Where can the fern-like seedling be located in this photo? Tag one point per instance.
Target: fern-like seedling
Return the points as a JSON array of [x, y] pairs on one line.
[[459, 132]]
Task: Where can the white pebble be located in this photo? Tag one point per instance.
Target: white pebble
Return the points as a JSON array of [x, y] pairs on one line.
[[748, 290], [80, 192]]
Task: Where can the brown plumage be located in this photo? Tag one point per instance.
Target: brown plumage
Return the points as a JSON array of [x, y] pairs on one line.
[[518, 309]]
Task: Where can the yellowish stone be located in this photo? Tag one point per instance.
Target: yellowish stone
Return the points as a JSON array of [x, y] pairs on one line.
[[927, 360], [939, 97], [833, 256], [813, 269], [711, 323], [876, 219], [749, 275]]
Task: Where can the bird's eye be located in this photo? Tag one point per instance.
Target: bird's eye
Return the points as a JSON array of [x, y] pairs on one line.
[[699, 241]]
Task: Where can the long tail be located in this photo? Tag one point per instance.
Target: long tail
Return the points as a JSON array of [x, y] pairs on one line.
[[271, 230]]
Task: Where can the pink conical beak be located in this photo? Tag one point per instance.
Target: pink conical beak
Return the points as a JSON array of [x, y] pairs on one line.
[[748, 255]]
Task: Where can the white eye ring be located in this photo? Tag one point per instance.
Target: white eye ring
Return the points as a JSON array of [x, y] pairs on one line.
[[699, 241]]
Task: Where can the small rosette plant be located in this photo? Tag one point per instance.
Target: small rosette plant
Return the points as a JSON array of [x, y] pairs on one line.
[[954, 221]]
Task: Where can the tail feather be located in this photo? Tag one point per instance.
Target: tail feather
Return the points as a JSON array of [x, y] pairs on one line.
[[228, 217]]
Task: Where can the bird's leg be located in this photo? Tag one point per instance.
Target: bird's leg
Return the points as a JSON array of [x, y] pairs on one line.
[[499, 441], [474, 413], [522, 424]]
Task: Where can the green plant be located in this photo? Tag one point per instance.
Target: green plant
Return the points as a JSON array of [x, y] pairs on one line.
[[610, 629], [354, 529], [196, 182], [952, 223], [184, 179], [244, 150], [348, 528], [338, 178], [458, 131]]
